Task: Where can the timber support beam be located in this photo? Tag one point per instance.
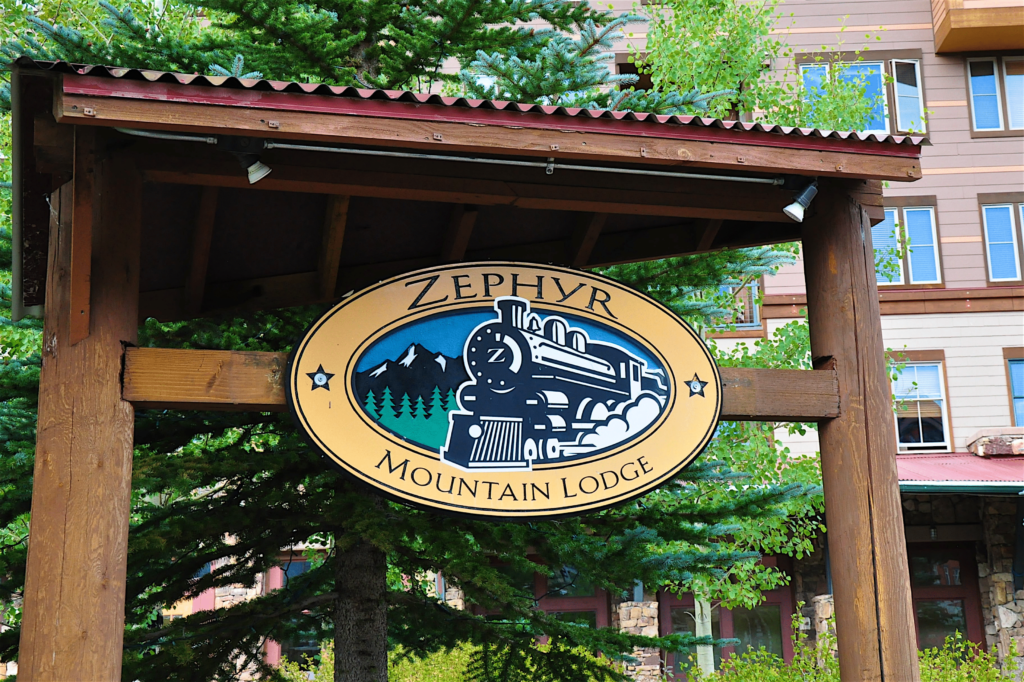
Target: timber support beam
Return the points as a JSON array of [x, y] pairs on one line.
[[874, 612], [73, 622], [169, 378]]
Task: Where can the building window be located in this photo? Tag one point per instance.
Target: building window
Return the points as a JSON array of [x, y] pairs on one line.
[[921, 418], [944, 589], [1002, 244], [894, 85], [913, 261], [1016, 369], [996, 89], [767, 625], [567, 595], [746, 313]]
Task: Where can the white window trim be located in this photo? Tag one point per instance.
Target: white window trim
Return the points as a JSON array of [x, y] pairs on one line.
[[988, 243], [997, 72], [899, 247], [934, 246], [885, 98], [920, 94], [1009, 125], [946, 445]]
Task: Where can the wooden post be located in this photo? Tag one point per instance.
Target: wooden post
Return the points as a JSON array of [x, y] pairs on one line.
[[871, 580], [73, 622]]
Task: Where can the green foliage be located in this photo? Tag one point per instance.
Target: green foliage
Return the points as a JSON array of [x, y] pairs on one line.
[[737, 52], [962, 661], [573, 71], [229, 490]]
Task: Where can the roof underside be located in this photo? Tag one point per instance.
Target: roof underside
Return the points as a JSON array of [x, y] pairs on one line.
[[410, 209]]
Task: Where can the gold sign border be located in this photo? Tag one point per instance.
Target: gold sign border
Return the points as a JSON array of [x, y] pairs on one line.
[[401, 496]]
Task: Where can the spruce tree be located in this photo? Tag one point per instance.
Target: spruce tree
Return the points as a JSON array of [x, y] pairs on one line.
[[233, 489]]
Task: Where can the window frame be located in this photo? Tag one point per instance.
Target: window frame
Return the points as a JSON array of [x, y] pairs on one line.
[[1010, 355], [967, 590], [1016, 200], [919, 358], [900, 204], [1004, 114], [780, 596], [935, 245], [902, 281], [599, 602], [920, 100], [887, 58]]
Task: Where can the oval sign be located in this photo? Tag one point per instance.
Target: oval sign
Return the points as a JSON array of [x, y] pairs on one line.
[[505, 390]]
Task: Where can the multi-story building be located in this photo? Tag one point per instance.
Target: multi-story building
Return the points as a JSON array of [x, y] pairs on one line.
[[952, 304]]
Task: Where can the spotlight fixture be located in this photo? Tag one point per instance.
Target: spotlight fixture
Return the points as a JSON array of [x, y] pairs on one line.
[[801, 201], [254, 168]]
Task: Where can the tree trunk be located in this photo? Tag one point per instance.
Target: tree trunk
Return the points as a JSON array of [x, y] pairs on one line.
[[360, 618]]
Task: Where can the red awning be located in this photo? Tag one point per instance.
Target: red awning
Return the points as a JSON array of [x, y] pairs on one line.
[[960, 472]]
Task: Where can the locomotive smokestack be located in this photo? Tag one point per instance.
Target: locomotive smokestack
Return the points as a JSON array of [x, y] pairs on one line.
[[512, 311]]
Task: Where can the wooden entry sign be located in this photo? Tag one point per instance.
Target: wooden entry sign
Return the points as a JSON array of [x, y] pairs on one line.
[[505, 390]]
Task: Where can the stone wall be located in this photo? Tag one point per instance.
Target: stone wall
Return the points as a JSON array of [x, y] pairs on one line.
[[1002, 606], [641, 618]]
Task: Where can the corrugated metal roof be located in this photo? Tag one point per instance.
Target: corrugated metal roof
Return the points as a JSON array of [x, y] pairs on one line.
[[960, 467], [566, 117]]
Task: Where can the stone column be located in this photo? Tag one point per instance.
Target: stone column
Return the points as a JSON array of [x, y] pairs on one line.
[[641, 618]]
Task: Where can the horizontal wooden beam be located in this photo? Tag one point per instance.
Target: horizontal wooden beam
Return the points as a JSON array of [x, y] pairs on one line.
[[186, 379], [480, 136], [684, 199], [779, 395], [232, 380]]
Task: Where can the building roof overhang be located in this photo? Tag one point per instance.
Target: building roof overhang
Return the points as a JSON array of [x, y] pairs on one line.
[[541, 184]]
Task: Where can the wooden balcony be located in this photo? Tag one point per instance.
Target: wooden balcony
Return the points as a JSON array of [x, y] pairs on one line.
[[978, 25]]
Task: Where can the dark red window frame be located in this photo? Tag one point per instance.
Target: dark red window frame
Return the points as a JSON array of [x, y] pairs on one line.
[[599, 602], [967, 590], [781, 597]]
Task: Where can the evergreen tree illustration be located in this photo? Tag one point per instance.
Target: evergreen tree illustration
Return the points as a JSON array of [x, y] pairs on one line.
[[387, 408], [436, 410], [450, 403], [404, 420], [418, 412], [371, 405]]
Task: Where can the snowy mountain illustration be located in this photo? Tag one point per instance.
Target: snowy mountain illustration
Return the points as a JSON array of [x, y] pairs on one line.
[[415, 373], [412, 394]]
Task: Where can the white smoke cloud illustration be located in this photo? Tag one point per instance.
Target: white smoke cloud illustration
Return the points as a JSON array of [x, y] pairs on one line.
[[635, 417]]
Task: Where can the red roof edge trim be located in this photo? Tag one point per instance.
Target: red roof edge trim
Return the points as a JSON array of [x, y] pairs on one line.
[[383, 104], [481, 111]]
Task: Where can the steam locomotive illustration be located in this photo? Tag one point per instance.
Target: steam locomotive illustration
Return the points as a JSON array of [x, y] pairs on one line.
[[540, 389]]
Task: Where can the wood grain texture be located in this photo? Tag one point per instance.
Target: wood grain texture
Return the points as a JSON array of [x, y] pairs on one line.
[[874, 619], [448, 137], [232, 380], [203, 379], [460, 229], [584, 238], [335, 220], [84, 212], [73, 619], [202, 238], [779, 395]]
